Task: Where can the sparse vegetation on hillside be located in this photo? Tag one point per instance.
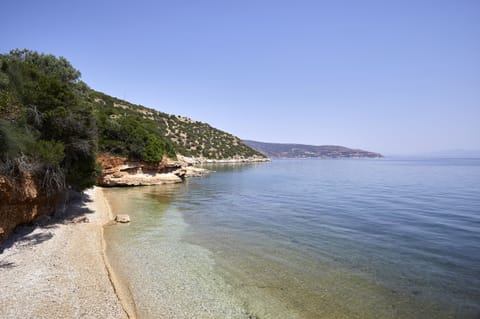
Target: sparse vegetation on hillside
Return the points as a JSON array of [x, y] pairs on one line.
[[181, 134], [129, 130], [194, 138]]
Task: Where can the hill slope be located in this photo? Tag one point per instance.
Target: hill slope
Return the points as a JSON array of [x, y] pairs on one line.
[[53, 126], [279, 150], [183, 135]]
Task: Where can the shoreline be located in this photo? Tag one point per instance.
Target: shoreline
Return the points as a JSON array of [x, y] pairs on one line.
[[169, 277], [59, 269], [121, 291], [202, 160]]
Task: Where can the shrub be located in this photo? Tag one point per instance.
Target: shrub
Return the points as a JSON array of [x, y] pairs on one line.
[[48, 152], [154, 150]]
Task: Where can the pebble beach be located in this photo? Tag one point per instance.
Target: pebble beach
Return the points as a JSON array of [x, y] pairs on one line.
[[59, 270]]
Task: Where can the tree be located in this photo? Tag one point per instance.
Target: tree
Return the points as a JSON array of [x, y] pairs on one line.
[[58, 131], [154, 150]]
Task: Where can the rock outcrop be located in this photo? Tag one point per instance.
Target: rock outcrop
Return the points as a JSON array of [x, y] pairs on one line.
[[22, 201], [119, 171]]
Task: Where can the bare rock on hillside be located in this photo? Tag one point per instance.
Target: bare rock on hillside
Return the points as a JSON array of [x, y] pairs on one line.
[[119, 171]]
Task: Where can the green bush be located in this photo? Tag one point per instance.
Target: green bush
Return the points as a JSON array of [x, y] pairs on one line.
[[154, 149], [45, 118], [14, 140], [48, 152]]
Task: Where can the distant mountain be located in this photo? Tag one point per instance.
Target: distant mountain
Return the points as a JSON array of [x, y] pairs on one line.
[[280, 150]]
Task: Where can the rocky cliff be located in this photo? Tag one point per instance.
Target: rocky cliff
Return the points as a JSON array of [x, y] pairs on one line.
[[21, 201], [119, 171]]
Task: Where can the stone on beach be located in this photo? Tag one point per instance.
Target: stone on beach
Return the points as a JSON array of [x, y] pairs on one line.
[[122, 218]]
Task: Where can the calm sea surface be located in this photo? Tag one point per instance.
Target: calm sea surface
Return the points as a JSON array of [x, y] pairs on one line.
[[387, 238]]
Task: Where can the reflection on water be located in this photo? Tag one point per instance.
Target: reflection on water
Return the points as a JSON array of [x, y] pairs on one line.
[[306, 239]]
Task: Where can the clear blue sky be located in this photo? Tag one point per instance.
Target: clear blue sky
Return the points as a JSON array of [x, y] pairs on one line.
[[389, 76]]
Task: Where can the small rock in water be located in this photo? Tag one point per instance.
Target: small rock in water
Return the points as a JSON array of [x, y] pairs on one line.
[[122, 218]]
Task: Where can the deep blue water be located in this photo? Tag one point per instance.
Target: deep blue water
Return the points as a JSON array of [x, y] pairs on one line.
[[315, 238]]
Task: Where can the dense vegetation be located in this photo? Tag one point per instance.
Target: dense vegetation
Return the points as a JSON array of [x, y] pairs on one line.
[[179, 134], [52, 125], [46, 129], [127, 131]]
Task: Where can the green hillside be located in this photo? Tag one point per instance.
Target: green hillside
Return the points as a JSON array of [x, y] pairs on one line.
[[180, 134], [52, 125]]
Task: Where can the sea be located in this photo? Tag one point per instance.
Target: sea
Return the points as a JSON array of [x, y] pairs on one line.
[[304, 238]]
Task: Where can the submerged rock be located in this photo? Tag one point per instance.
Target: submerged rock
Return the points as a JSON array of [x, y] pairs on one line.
[[191, 171]]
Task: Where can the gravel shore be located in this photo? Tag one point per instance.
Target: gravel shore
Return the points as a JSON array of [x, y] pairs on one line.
[[58, 269]]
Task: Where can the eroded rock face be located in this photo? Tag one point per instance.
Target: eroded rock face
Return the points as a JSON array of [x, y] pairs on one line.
[[119, 171], [22, 201]]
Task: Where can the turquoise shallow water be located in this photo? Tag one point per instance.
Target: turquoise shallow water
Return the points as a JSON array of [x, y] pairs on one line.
[[388, 238]]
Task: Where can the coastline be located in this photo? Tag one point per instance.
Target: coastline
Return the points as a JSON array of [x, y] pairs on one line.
[[59, 269], [121, 291], [203, 160]]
